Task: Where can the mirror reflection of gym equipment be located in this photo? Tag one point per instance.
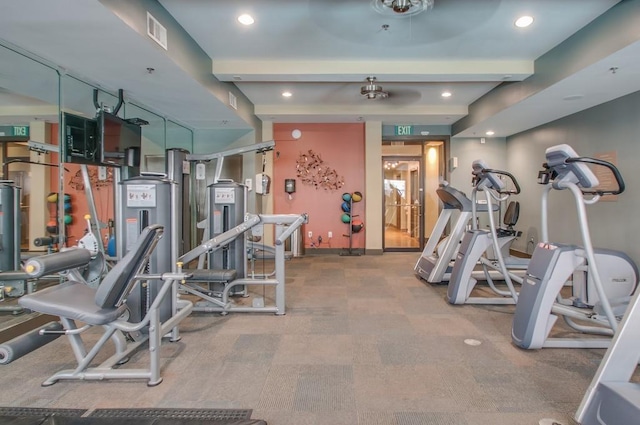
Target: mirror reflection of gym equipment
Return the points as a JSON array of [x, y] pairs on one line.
[[148, 276]]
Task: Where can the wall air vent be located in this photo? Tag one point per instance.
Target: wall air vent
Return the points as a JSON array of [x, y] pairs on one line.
[[156, 31]]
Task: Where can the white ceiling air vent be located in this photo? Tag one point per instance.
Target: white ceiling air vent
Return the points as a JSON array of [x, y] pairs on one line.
[[372, 90], [156, 31]]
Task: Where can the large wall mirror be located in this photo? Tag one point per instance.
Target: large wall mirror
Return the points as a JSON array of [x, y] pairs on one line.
[[52, 196], [29, 110]]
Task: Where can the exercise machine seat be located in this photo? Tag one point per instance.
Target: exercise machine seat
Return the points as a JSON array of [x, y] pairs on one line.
[[510, 219], [73, 300], [512, 214], [76, 301], [104, 306]]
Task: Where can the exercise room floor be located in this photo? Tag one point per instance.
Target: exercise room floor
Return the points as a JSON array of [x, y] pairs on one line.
[[363, 342]]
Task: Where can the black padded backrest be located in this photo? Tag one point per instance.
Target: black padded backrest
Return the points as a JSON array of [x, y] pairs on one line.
[[512, 214], [119, 281]]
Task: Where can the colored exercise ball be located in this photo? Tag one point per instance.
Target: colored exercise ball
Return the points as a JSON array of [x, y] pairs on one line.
[[346, 207], [346, 197], [346, 218], [68, 219], [356, 226], [52, 198], [52, 227], [357, 196], [67, 207], [67, 198]]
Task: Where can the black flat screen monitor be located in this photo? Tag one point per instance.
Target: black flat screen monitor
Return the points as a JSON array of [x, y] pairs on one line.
[[121, 140], [82, 145]]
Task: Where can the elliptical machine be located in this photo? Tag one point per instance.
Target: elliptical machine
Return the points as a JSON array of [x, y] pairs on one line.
[[611, 275], [434, 264], [477, 243]]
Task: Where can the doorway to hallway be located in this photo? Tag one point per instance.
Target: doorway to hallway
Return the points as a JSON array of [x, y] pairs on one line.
[[411, 174], [402, 203]]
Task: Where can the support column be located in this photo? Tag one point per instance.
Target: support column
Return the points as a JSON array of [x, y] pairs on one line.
[[373, 187]]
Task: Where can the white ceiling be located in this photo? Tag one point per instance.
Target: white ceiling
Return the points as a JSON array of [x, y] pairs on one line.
[[322, 51]]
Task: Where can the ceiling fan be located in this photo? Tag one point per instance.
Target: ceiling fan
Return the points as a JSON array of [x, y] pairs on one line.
[[373, 91]]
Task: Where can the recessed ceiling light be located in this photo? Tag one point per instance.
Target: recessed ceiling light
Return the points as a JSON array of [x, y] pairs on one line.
[[446, 94], [524, 21], [245, 19], [490, 133], [286, 94]]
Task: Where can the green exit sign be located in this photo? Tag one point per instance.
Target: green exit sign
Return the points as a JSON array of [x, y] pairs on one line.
[[14, 130], [404, 130], [21, 130]]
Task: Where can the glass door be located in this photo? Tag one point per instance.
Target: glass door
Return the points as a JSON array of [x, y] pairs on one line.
[[403, 203]]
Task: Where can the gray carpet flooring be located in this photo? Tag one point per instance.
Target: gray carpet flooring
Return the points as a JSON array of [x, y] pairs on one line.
[[363, 342]]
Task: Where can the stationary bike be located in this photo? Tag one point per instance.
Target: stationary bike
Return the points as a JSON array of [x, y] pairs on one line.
[[610, 275]]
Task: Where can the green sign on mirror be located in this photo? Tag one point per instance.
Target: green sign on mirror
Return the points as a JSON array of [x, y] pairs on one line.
[[14, 130]]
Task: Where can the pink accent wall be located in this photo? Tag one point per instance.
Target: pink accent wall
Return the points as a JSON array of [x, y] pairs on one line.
[[341, 147]]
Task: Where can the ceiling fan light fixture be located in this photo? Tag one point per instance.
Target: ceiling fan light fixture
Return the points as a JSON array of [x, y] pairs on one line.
[[372, 90], [401, 7]]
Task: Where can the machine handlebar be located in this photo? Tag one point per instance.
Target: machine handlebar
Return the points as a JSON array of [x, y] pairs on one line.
[[514, 191], [550, 173], [488, 176], [606, 164]]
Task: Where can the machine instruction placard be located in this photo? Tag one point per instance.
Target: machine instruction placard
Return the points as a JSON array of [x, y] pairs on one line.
[[141, 195], [224, 195]]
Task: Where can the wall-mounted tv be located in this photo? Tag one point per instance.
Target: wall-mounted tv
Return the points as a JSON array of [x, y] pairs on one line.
[[120, 140], [82, 144], [106, 140]]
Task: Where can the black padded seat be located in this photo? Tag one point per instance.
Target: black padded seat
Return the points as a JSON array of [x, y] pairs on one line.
[[76, 301], [57, 301], [213, 275], [512, 214], [510, 219]]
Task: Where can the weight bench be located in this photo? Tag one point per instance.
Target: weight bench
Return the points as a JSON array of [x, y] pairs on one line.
[[105, 306]]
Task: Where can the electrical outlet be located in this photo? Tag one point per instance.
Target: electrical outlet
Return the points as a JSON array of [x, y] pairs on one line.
[[330, 234], [310, 234]]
